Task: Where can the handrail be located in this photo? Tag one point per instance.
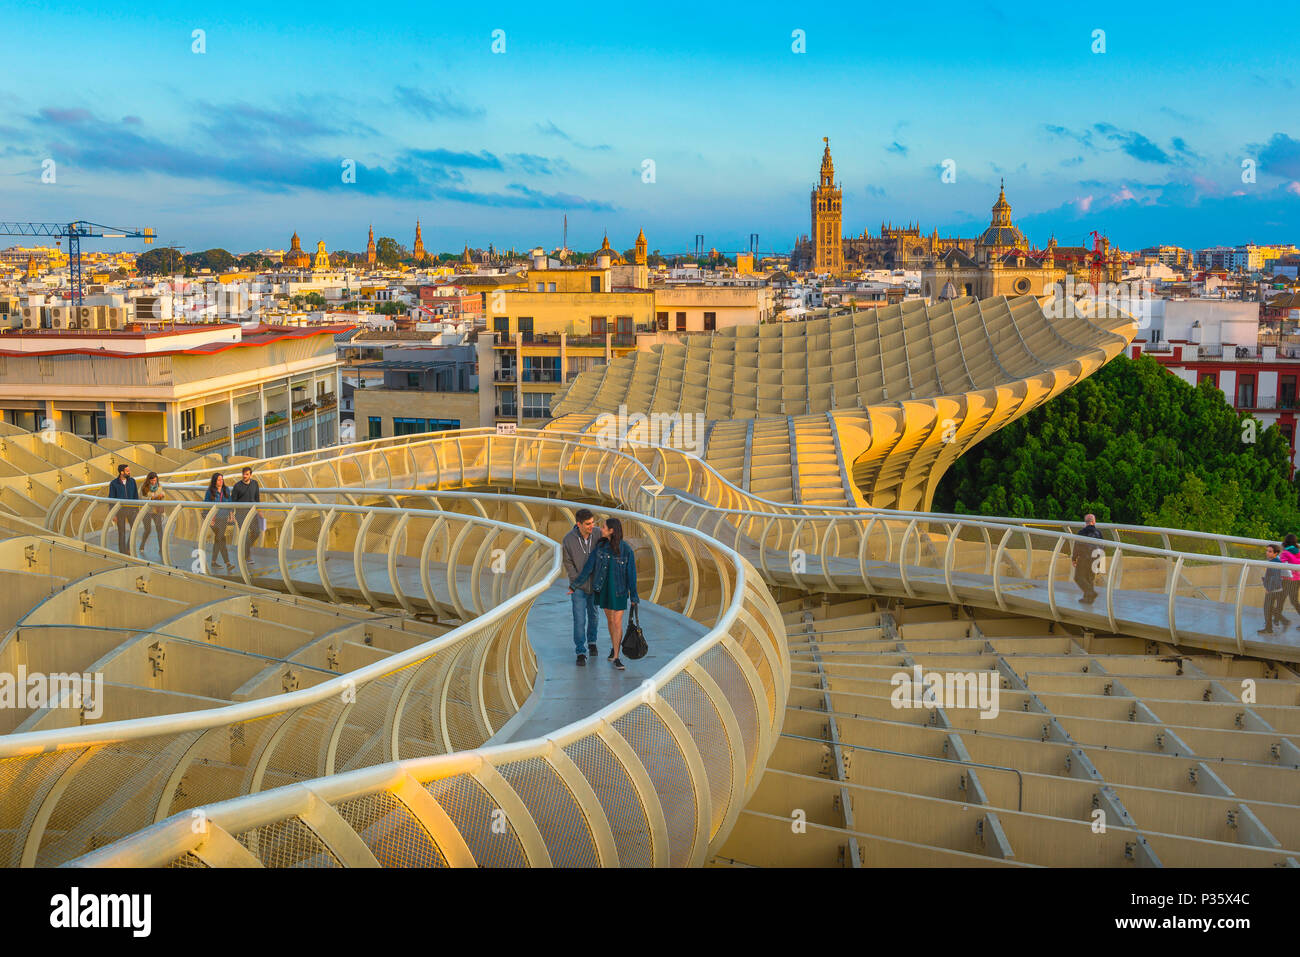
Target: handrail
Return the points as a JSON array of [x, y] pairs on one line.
[[738, 671]]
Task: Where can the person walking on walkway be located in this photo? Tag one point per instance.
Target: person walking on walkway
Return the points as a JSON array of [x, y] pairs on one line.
[[123, 487], [247, 490], [611, 566], [1290, 555], [152, 492], [1273, 593], [576, 549], [1084, 556], [217, 492]]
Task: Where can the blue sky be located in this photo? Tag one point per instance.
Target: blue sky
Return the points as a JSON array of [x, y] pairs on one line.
[[244, 143]]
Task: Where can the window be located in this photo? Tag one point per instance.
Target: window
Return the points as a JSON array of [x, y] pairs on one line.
[[541, 369], [661, 319], [413, 380], [405, 426], [526, 328], [597, 325], [550, 287], [624, 325], [501, 324], [1245, 392], [1288, 433], [681, 322], [537, 405], [1286, 397], [710, 321], [1210, 377], [595, 284], [188, 427], [376, 427], [541, 287]]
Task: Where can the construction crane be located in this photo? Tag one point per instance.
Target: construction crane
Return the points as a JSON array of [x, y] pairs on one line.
[[75, 232]]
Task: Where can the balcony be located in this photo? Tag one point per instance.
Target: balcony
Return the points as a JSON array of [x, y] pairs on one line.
[[1266, 403], [503, 375], [541, 375], [505, 412]]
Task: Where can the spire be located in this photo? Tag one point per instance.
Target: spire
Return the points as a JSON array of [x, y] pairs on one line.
[[828, 165], [417, 250], [1002, 209]]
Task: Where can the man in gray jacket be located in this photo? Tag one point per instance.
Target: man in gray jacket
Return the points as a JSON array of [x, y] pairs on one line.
[[575, 547]]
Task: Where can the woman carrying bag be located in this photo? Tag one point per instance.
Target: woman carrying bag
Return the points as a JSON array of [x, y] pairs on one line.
[[217, 492], [612, 568]]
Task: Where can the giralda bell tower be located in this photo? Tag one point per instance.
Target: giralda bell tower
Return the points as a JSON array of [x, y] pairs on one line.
[[827, 238]]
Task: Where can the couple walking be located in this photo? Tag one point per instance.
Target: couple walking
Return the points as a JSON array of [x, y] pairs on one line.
[[602, 572], [1279, 586]]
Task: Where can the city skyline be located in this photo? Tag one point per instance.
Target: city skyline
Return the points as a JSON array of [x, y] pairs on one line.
[[241, 144]]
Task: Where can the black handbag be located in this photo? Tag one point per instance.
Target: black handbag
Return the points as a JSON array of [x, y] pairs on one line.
[[634, 644]]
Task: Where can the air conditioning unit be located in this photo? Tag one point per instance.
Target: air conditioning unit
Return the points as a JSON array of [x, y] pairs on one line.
[[86, 317], [204, 429], [112, 317], [59, 317]]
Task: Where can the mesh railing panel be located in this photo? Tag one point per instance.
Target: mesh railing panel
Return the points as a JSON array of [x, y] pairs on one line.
[[618, 797], [393, 835], [287, 843], [659, 753], [485, 827], [563, 826]]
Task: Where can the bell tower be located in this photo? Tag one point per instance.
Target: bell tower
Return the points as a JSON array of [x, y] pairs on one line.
[[418, 251], [827, 212]]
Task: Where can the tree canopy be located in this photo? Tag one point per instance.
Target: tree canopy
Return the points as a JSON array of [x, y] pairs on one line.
[[1134, 445], [218, 260], [389, 252], [162, 261]]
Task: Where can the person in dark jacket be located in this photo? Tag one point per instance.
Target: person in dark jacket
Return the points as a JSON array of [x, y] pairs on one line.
[[611, 566], [123, 487], [217, 492], [247, 490], [1274, 593], [1085, 555], [575, 550]]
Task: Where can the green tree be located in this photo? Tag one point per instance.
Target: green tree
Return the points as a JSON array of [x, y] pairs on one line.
[[389, 252], [164, 261], [1134, 445], [309, 300]]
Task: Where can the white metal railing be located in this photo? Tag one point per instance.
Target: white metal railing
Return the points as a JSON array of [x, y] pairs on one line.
[[1190, 587], [296, 737]]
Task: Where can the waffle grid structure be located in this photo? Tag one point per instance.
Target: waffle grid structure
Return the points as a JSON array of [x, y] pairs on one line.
[[339, 696], [865, 408]]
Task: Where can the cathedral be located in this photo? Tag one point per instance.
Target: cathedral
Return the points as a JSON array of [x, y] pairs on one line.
[[1003, 263], [296, 257], [999, 262], [830, 251]]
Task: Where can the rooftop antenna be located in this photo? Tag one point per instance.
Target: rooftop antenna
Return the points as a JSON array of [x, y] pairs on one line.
[[564, 240]]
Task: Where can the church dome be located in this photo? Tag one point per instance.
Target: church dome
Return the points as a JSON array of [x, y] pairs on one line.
[[1001, 231]]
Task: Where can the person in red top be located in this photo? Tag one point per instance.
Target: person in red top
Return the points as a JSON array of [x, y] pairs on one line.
[[1290, 554]]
